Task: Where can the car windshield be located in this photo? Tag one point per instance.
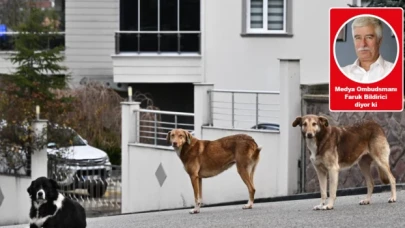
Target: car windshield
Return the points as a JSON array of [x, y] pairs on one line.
[[65, 137], [77, 141]]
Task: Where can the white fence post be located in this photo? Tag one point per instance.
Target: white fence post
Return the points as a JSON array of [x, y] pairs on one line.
[[129, 134], [290, 108], [39, 159], [201, 107]]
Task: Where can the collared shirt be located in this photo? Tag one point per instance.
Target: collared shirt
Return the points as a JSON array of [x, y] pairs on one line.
[[378, 70]]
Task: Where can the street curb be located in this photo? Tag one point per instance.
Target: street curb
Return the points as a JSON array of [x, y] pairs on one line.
[[301, 196]]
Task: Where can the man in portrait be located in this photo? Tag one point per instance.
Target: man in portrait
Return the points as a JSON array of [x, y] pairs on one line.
[[369, 66]]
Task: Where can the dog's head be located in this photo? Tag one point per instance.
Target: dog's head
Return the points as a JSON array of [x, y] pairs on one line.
[[43, 189], [310, 124], [178, 137]]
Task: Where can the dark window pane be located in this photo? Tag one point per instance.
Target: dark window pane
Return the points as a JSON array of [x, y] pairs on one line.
[[60, 10], [6, 42], [169, 43], [129, 15], [190, 43], [148, 42], [149, 15], [57, 41], [256, 13], [189, 15], [128, 43], [168, 15]]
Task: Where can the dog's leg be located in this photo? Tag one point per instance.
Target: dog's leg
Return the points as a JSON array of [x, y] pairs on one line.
[[200, 189], [333, 183], [365, 163], [244, 174], [252, 173], [195, 182], [323, 181], [381, 155], [385, 167]]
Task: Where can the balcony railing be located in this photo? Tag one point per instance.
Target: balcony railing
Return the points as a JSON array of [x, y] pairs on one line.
[[158, 42], [7, 41]]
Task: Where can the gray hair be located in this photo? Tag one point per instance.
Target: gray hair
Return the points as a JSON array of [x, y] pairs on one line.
[[367, 21]]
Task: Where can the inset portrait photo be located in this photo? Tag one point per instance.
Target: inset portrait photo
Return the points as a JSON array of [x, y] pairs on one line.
[[366, 48]]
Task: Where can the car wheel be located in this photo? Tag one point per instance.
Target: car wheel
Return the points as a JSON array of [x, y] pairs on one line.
[[97, 189]]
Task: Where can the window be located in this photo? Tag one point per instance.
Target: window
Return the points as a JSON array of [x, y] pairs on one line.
[[267, 17], [156, 26], [12, 13]]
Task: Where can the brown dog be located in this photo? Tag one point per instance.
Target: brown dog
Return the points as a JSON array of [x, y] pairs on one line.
[[205, 158], [334, 148]]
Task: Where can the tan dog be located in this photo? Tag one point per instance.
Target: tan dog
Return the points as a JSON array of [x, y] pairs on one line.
[[334, 148], [205, 158]]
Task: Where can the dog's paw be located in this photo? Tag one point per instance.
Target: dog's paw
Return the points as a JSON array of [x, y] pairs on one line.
[[318, 207], [392, 200], [365, 202], [194, 211], [247, 206], [327, 207]]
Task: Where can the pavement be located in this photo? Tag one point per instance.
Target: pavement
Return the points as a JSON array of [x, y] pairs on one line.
[[293, 213]]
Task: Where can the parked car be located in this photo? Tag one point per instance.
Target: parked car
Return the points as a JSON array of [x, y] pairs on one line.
[[79, 166], [72, 162], [267, 126]]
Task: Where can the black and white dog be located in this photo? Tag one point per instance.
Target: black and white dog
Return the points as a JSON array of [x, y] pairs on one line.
[[49, 208]]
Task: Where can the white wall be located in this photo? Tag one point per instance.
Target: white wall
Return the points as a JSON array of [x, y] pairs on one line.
[[235, 62], [144, 192], [16, 204], [156, 69], [6, 66], [90, 27]]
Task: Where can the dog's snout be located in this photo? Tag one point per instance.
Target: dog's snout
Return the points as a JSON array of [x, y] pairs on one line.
[[40, 194], [310, 135], [174, 143]]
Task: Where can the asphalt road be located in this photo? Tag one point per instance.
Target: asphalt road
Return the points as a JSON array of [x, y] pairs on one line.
[[297, 213]]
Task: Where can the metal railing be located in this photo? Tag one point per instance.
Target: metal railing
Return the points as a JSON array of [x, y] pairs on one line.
[[7, 41], [158, 42], [244, 109], [92, 183], [153, 125]]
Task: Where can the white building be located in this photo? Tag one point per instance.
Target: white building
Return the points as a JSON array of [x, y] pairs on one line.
[[223, 42]]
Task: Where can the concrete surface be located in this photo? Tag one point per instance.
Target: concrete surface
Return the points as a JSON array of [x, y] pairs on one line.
[[295, 213]]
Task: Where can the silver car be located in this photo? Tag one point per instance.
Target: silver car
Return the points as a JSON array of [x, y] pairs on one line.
[[79, 166]]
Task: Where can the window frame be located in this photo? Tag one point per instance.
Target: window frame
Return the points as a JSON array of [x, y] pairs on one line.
[[287, 21], [179, 32]]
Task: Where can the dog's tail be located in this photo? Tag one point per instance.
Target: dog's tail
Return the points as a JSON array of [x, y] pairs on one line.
[[383, 176]]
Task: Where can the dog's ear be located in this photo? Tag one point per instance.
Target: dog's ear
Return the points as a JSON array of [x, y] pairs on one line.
[[297, 121], [168, 136], [323, 121], [188, 136], [54, 184], [30, 188]]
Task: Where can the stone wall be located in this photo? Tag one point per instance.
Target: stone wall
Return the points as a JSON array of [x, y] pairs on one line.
[[316, 101]]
